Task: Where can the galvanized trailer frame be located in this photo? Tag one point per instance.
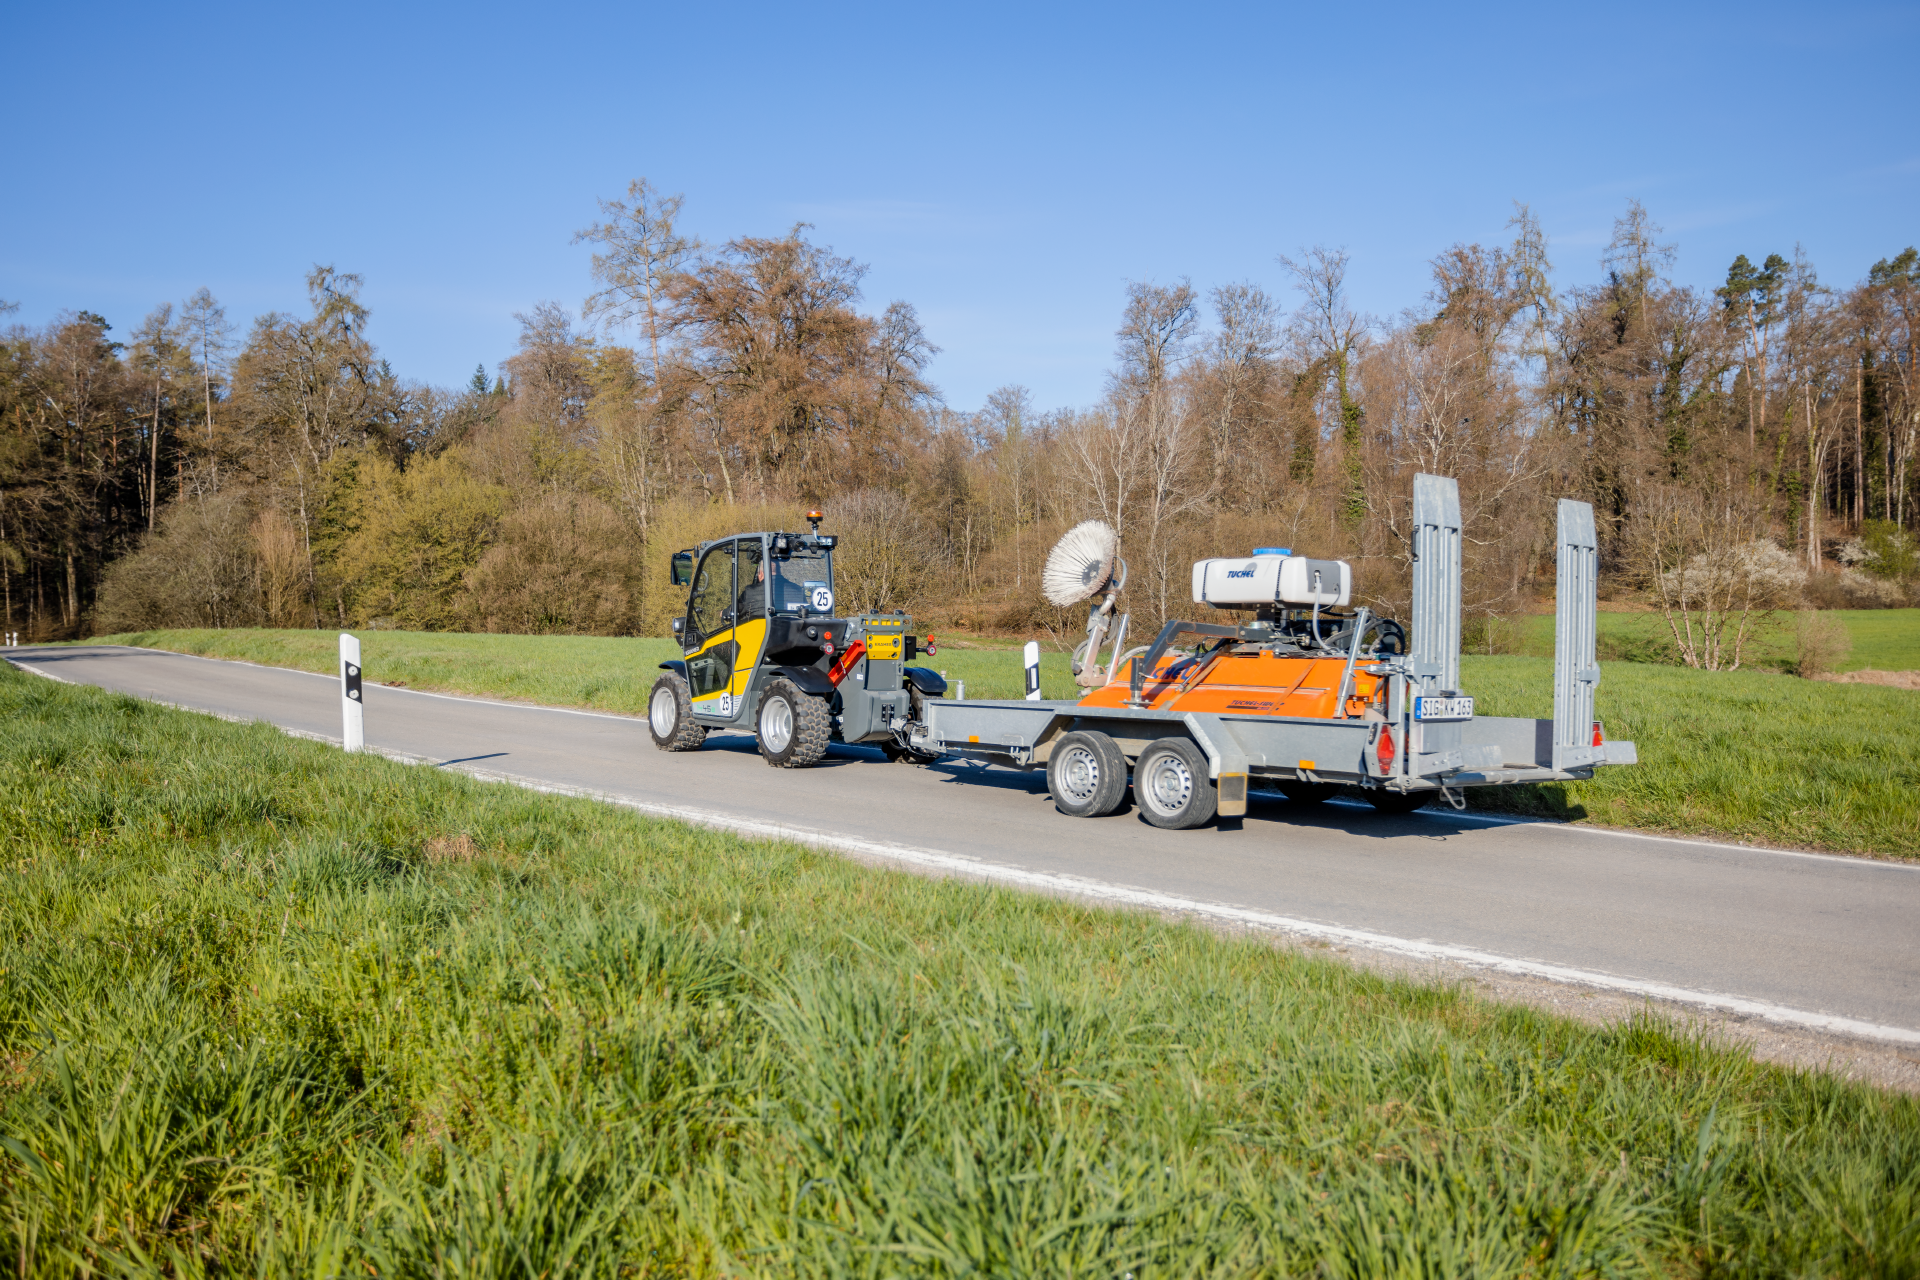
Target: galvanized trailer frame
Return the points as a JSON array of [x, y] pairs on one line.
[[1422, 755]]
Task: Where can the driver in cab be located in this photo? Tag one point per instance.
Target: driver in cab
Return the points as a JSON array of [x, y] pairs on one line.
[[753, 597]]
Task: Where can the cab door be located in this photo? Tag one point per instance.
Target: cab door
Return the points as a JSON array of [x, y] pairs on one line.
[[709, 641], [752, 595]]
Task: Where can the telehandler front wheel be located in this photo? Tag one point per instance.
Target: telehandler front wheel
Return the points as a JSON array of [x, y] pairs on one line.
[[1170, 781], [670, 716], [1087, 774], [791, 727]]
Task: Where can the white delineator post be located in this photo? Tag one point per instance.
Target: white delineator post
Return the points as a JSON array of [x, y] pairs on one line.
[[1033, 671], [353, 727]]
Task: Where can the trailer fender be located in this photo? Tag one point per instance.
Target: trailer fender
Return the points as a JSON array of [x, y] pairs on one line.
[[1226, 760]]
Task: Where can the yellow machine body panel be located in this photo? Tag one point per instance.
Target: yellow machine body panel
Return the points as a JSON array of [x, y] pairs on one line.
[[885, 638], [721, 668], [751, 636]]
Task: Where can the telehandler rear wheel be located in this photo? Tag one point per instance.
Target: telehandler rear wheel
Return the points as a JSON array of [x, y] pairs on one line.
[[1171, 783], [1087, 774], [791, 727], [1398, 801], [670, 716]]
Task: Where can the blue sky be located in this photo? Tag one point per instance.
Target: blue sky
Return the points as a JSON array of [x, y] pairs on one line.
[[1007, 169]]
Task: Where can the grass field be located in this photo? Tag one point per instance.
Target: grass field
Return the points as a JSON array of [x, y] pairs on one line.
[[1884, 639], [275, 1010], [607, 673], [1750, 755], [1753, 755]]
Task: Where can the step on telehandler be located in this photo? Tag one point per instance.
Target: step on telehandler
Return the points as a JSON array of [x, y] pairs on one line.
[[1289, 684]]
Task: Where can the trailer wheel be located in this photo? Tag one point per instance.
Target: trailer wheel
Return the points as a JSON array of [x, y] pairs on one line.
[[1170, 782], [1308, 792], [670, 716], [1398, 801], [1087, 774], [791, 727]]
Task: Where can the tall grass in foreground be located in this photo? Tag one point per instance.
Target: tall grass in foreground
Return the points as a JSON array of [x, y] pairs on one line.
[[268, 1008]]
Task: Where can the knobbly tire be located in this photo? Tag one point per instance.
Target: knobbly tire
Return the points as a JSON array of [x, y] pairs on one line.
[[670, 716], [1171, 785], [1087, 775], [791, 727], [1399, 801], [1308, 792]]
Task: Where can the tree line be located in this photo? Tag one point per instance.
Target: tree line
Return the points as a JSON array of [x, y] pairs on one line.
[[1745, 447]]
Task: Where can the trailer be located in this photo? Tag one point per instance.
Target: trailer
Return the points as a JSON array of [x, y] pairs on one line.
[[1263, 703]]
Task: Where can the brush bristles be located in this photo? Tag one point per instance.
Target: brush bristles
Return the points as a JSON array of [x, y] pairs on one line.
[[1080, 563]]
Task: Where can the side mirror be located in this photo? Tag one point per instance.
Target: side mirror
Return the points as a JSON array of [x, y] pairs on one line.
[[682, 568]]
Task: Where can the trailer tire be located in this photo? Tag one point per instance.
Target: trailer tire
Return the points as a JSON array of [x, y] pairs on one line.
[[791, 727], [1398, 801], [1170, 783], [1087, 775], [1301, 792], [670, 716]]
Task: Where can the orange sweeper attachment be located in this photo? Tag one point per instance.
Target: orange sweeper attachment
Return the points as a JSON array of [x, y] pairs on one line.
[[1280, 680]]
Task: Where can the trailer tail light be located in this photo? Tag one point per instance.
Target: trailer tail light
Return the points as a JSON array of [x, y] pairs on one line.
[[1385, 752], [1599, 735]]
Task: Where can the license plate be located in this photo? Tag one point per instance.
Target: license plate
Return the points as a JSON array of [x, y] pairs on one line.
[[1443, 708]]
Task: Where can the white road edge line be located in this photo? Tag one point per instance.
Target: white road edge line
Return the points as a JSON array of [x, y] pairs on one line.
[[1152, 899], [1075, 886], [1427, 815]]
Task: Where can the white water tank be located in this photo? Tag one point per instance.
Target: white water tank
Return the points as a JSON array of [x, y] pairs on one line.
[[1272, 578]]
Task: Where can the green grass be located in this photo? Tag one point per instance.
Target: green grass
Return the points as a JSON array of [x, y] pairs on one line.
[[276, 1010], [606, 673], [1752, 755], [1884, 639]]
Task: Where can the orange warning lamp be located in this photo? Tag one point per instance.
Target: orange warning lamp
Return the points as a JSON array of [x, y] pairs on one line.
[[814, 518]]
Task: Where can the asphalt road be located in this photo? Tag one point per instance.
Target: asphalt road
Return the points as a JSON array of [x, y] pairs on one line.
[[1797, 932]]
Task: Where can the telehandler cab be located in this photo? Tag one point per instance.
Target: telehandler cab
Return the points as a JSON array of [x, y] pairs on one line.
[[764, 653]]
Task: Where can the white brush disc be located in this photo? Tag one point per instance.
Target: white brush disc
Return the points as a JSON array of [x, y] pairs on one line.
[[1080, 563]]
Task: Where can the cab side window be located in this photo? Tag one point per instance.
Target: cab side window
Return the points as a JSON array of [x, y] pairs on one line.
[[753, 583], [712, 593]]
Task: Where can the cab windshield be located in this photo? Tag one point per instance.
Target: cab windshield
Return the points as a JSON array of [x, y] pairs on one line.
[[796, 573]]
